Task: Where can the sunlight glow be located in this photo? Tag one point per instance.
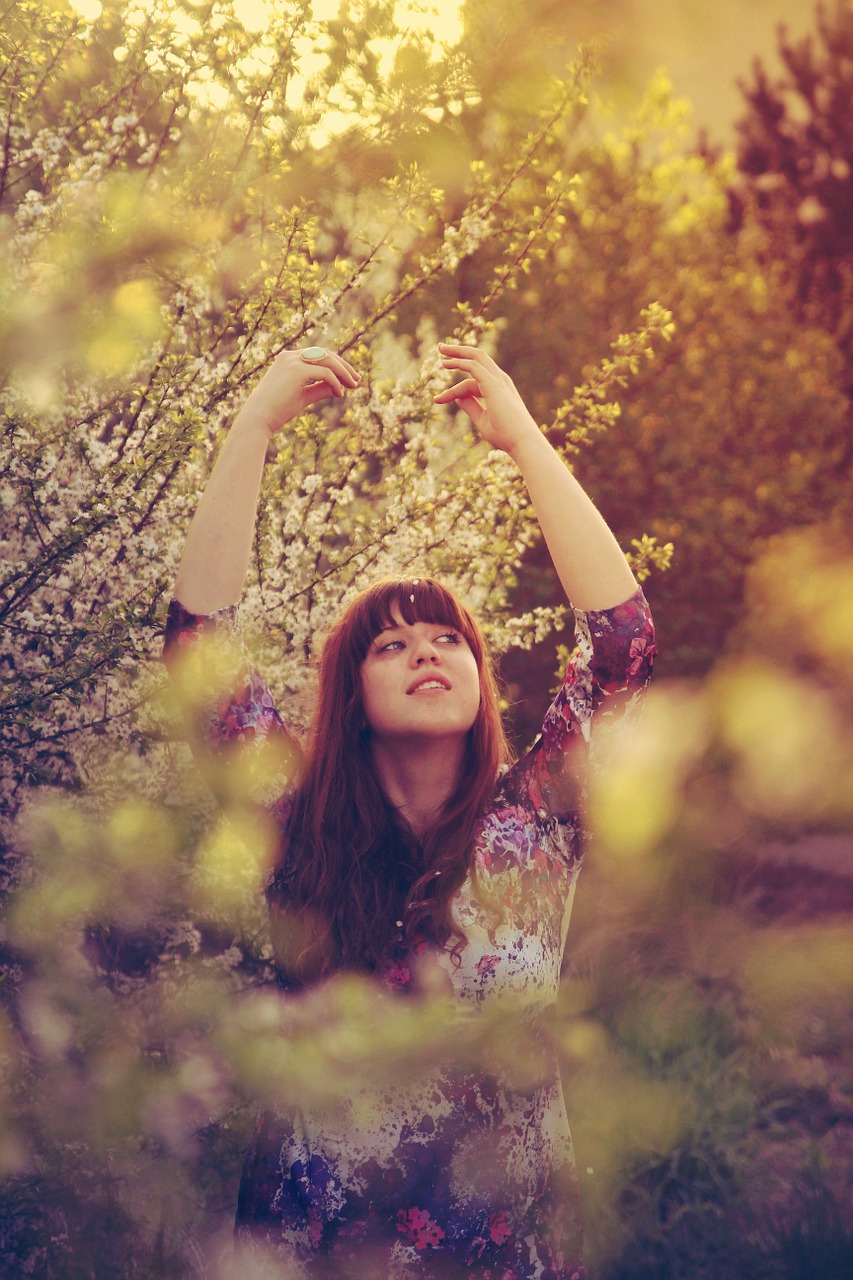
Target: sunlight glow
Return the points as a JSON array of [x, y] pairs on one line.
[[443, 19], [208, 91], [185, 24], [385, 50], [90, 10], [255, 15], [432, 25]]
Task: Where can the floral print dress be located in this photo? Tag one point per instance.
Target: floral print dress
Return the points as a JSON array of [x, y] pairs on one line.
[[462, 1173]]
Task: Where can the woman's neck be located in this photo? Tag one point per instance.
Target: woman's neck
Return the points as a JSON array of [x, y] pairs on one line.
[[417, 777]]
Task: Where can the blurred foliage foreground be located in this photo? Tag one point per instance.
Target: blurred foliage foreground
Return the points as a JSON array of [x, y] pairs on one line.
[[705, 1023]]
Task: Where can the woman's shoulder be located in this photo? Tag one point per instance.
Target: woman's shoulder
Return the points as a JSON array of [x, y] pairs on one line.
[[228, 708], [183, 627]]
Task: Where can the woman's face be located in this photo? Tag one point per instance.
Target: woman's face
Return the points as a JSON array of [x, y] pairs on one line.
[[420, 679]]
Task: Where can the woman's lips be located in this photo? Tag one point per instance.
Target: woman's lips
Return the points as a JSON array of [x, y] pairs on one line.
[[441, 681]]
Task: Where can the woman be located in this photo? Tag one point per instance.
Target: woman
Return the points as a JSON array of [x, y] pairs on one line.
[[409, 850]]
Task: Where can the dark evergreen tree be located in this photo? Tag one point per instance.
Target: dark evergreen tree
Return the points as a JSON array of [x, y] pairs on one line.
[[795, 173]]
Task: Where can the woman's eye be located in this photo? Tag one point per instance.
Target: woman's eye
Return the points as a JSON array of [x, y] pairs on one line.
[[446, 637]]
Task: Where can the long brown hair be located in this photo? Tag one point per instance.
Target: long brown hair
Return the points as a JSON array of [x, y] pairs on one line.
[[351, 878]]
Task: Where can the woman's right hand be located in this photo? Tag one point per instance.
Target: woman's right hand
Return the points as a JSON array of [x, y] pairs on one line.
[[291, 385]]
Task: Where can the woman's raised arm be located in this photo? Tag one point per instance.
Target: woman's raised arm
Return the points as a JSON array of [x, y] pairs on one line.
[[588, 559], [219, 543]]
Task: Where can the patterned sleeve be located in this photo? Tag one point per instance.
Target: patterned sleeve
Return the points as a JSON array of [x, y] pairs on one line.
[[604, 681], [227, 706]]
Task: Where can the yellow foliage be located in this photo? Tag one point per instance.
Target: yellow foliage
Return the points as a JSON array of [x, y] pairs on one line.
[[787, 738], [232, 862], [635, 800], [582, 1040], [140, 835]]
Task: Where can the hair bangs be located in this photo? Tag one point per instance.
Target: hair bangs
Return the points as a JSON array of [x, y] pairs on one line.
[[414, 600]]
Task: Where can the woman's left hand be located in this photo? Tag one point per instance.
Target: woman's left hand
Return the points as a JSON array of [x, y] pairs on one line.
[[489, 397]]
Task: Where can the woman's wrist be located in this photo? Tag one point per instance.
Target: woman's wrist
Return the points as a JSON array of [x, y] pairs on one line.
[[252, 422], [529, 446]]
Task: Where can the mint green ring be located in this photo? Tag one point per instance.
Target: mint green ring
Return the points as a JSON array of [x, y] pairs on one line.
[[313, 355]]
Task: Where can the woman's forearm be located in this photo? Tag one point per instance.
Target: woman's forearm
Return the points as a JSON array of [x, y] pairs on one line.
[[219, 543], [587, 557], [589, 561]]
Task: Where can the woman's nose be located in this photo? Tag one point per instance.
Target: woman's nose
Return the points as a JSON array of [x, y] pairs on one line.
[[425, 652]]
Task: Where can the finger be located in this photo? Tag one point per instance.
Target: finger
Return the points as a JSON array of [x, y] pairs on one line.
[[476, 368], [468, 387], [461, 351], [315, 391], [341, 367], [322, 372], [345, 369], [474, 408], [460, 348], [467, 366]]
